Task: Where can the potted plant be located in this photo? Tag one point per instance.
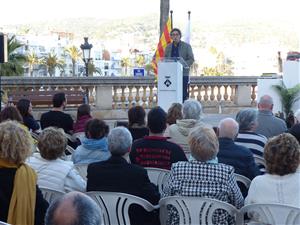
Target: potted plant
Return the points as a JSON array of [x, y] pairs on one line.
[[288, 96]]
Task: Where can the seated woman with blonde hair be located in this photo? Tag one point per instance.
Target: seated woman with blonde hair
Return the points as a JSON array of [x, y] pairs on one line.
[[53, 172], [21, 201], [203, 176]]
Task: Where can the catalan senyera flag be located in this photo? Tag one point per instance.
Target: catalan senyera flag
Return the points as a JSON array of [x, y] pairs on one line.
[[164, 40]]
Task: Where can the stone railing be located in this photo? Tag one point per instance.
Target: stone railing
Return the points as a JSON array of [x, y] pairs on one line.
[[217, 93]]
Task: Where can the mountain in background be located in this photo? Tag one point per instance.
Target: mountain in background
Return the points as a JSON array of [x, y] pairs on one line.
[[242, 43]]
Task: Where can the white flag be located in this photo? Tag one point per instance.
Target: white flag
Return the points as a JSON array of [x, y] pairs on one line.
[[187, 34]]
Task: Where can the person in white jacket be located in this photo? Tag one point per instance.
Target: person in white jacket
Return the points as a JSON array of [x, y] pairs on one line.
[[192, 112], [53, 172], [281, 183]]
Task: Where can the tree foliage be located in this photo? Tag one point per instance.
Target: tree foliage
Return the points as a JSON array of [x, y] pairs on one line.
[[16, 61], [288, 96], [75, 55], [51, 61]]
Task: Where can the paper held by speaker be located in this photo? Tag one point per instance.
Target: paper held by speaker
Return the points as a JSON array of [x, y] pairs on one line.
[[3, 48]]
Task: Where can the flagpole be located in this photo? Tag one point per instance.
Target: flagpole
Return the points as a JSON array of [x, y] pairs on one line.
[[171, 12]]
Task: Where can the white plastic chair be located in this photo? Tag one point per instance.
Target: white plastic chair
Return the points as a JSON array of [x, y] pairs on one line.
[[259, 160], [244, 180], [50, 195], [194, 210], [115, 206], [3, 223], [82, 169], [158, 177], [70, 149], [275, 214]]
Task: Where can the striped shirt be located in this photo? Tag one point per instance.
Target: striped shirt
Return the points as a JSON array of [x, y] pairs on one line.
[[255, 142]]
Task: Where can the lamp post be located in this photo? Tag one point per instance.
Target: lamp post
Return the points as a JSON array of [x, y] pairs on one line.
[[86, 52]]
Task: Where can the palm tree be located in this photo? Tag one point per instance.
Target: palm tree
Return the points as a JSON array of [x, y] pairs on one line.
[[16, 61], [93, 69], [125, 62], [52, 62], [75, 55], [32, 60], [288, 96]]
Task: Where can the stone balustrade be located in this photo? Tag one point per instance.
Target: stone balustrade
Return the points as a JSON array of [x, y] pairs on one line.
[[214, 92]]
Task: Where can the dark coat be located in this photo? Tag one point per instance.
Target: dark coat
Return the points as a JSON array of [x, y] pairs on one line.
[[239, 157], [117, 175], [6, 188]]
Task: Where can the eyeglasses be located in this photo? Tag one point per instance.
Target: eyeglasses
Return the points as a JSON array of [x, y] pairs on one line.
[[175, 34]]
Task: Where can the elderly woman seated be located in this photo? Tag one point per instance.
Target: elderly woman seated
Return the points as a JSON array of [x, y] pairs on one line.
[[191, 111], [53, 172], [281, 184], [21, 201], [204, 176]]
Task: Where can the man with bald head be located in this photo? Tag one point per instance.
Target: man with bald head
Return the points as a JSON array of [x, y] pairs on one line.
[[237, 156], [268, 124], [74, 208]]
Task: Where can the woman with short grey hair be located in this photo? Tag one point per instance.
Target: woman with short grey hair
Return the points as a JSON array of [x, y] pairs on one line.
[[248, 121], [192, 112]]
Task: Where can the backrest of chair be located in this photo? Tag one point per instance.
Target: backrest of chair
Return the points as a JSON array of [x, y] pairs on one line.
[[3, 223], [50, 195], [275, 214], [244, 180], [82, 169], [259, 160], [70, 149], [158, 177], [115, 206], [193, 210]]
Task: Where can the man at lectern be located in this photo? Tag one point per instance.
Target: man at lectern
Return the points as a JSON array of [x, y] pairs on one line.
[[184, 50]]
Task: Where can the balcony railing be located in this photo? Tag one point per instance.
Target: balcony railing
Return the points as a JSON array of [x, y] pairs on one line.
[[214, 92]]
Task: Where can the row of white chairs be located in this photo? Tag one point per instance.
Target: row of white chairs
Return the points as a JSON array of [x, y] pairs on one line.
[[191, 210], [160, 177]]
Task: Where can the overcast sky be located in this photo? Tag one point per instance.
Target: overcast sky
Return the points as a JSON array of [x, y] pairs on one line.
[[20, 11]]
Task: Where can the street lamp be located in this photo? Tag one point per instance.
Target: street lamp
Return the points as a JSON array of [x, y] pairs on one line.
[[86, 52]]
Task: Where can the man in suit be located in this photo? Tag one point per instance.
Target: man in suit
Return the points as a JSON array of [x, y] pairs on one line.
[[117, 175], [184, 50]]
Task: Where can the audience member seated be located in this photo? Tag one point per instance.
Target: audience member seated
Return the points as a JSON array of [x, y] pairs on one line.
[[94, 146], [295, 131], [203, 176], [268, 124], [83, 115], [237, 156], [155, 150], [21, 201], [191, 112], [53, 172], [297, 117], [174, 113], [11, 113], [56, 117], [117, 175], [247, 120], [136, 122], [73, 208], [25, 108], [281, 183]]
